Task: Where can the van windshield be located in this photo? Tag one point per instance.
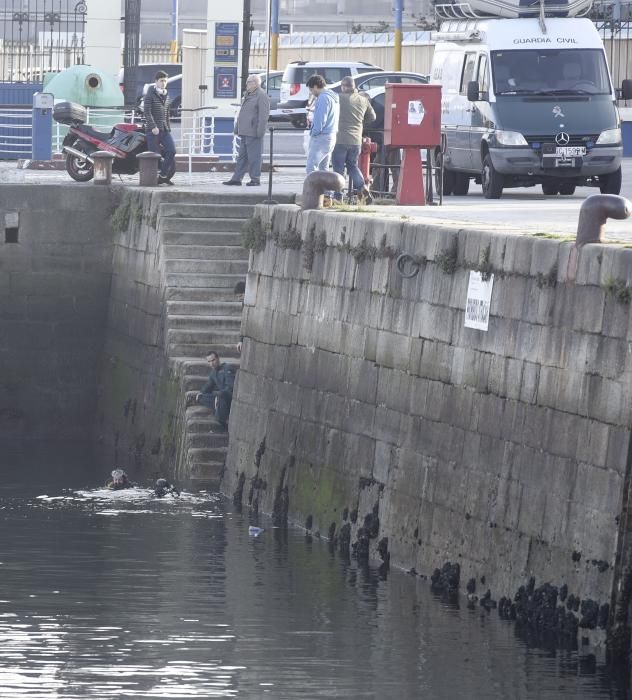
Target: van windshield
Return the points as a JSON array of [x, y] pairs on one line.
[[550, 72]]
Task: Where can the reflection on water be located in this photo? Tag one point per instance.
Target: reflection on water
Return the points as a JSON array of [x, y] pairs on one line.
[[119, 594]]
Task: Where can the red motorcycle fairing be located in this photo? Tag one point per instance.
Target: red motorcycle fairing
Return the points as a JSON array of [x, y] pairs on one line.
[[102, 141]]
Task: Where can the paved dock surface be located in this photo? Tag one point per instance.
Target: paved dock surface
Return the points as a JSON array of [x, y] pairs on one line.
[[520, 210]]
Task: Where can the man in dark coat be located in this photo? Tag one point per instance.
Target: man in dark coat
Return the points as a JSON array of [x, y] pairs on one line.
[[250, 127], [158, 126], [217, 393]]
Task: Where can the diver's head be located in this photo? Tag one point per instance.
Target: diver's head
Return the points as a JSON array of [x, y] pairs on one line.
[[119, 476]]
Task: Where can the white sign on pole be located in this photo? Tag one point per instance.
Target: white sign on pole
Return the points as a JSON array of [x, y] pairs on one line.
[[479, 297]]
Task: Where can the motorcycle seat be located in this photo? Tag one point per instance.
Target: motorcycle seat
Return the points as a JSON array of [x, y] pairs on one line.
[[102, 135]]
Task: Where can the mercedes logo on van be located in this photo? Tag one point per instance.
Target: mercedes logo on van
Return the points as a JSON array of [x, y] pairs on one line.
[[562, 139]]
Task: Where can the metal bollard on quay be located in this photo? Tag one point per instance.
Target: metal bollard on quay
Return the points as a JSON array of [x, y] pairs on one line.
[[103, 167], [148, 168]]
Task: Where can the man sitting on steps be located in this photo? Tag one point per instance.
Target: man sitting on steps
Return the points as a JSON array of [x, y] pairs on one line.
[[217, 393]]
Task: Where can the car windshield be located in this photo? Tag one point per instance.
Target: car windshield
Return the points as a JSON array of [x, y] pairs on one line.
[[550, 72]]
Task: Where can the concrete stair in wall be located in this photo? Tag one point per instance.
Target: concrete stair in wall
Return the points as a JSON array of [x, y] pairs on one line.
[[203, 260]]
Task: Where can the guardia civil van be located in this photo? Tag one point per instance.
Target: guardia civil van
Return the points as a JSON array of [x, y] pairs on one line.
[[527, 101]]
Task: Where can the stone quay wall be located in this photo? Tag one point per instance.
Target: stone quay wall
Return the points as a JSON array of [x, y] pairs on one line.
[[366, 412], [140, 411], [55, 271]]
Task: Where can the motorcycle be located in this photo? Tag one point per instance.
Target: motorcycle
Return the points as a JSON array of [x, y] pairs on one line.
[[125, 141]]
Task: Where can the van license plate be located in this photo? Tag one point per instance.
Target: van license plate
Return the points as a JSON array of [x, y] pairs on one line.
[[570, 151]]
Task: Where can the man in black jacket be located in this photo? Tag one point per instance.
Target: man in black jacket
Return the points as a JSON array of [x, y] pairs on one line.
[[217, 393], [158, 126]]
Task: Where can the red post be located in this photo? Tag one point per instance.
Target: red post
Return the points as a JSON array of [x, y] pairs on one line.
[[412, 120]]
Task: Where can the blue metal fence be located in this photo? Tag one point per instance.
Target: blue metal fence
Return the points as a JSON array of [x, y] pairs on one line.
[[16, 131]]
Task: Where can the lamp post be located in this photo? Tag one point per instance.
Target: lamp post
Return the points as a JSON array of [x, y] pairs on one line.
[[397, 55], [173, 51]]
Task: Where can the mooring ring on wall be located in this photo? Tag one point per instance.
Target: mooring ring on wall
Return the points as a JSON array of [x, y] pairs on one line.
[[407, 266]]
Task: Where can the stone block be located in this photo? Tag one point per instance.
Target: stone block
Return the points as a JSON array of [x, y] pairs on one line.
[[418, 395], [618, 449], [432, 322], [523, 341], [476, 370], [434, 400], [588, 309], [360, 451], [562, 435], [436, 361], [334, 410], [362, 381], [490, 414], [392, 350], [456, 408], [331, 372], [538, 302], [616, 318], [599, 489], [505, 511], [532, 510], [616, 264], [604, 400], [530, 383], [458, 292], [592, 442], [518, 252], [370, 345], [385, 461], [553, 346], [513, 420], [544, 255], [508, 297], [361, 419], [505, 377], [589, 265], [536, 423], [388, 425]]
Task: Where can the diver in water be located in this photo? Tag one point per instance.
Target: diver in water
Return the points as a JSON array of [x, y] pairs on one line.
[[119, 480], [164, 488]]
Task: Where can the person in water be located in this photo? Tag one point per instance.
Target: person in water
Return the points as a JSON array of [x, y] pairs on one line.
[[119, 480], [164, 488]]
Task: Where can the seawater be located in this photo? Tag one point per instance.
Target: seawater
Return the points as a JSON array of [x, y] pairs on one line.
[[122, 595]]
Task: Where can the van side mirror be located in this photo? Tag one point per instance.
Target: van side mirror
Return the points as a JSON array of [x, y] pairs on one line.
[[626, 89], [472, 91]]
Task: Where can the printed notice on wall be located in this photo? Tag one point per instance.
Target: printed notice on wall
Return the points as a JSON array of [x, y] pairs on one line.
[[479, 297], [415, 112]]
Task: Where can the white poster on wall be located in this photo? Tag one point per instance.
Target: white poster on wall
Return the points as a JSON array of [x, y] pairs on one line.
[[479, 297]]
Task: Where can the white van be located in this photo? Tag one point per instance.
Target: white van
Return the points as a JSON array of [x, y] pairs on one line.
[[525, 104]]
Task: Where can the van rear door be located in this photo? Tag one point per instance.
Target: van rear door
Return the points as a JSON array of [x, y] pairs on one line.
[[480, 111], [464, 110]]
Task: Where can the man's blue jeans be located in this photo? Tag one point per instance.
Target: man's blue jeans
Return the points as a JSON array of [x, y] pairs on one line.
[[164, 139], [344, 155], [320, 148]]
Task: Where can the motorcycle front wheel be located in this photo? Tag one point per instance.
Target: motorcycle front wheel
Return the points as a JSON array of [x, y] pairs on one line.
[[79, 169]]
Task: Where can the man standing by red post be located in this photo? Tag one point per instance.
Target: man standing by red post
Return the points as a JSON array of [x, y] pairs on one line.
[[355, 113]]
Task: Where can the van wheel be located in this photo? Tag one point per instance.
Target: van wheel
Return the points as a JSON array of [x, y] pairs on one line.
[[299, 122], [567, 188], [491, 180], [448, 177], [461, 184], [610, 183], [550, 188]]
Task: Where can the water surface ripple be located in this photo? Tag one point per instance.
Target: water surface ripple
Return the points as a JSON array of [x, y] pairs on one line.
[[121, 595]]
